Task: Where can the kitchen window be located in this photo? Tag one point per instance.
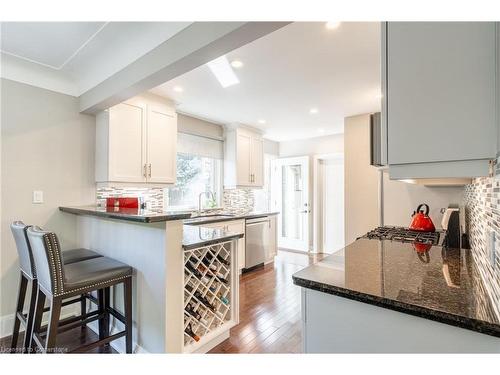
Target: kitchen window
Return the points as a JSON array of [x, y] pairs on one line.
[[199, 170]]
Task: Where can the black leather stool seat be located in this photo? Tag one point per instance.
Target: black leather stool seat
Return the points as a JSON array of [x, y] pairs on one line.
[[77, 255], [90, 274]]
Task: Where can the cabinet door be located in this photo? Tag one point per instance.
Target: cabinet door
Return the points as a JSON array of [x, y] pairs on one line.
[[243, 159], [126, 135], [239, 227], [161, 146], [257, 162], [440, 91]]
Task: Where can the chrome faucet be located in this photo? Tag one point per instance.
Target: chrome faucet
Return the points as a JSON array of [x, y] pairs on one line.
[[211, 194]]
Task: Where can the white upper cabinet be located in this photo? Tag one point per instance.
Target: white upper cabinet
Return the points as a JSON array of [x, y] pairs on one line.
[[439, 93], [136, 142], [243, 158], [161, 137]]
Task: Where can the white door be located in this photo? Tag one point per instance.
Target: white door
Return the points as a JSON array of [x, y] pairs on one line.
[[292, 201], [257, 154], [243, 167], [162, 140], [126, 131]]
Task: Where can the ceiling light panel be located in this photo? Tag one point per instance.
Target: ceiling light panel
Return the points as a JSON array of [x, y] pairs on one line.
[[222, 70]]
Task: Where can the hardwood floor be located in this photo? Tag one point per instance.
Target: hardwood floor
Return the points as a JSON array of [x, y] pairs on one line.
[[68, 340], [269, 312], [269, 308]]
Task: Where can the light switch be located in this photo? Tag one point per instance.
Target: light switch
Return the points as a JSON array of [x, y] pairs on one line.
[[37, 196]]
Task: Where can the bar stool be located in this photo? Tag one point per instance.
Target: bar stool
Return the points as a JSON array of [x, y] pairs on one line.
[[28, 274], [57, 281]]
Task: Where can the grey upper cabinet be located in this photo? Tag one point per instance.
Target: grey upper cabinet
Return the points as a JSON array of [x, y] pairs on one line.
[[440, 98]]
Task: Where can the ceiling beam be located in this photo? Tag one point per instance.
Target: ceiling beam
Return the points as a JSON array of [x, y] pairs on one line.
[[194, 46]]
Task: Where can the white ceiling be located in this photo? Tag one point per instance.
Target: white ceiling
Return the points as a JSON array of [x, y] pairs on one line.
[[51, 44], [285, 74], [84, 52]]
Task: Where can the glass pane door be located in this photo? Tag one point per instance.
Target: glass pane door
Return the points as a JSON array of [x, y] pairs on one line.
[[293, 202]]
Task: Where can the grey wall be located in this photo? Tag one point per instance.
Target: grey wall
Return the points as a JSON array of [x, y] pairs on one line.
[[46, 145], [361, 188], [402, 198]]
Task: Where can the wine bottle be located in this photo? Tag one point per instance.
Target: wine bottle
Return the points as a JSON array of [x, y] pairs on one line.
[[191, 311], [204, 301], [222, 260], [189, 331], [206, 262], [221, 278], [191, 267], [219, 258], [224, 300]]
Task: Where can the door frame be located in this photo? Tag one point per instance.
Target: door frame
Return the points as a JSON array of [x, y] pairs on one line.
[[302, 245]]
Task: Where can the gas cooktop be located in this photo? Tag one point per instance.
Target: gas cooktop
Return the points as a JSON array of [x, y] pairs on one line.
[[402, 234]]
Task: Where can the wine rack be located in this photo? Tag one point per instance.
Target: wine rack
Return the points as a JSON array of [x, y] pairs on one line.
[[208, 294]]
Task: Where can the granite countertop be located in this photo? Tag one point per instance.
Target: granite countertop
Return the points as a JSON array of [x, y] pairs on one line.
[[128, 214], [445, 287], [198, 236], [226, 216]]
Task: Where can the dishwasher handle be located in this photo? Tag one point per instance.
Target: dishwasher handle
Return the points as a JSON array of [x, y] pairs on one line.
[[258, 222]]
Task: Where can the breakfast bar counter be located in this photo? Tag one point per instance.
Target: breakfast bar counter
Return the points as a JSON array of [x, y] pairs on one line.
[[159, 247]]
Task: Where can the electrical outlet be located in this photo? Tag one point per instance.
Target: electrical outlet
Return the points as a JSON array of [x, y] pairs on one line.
[[490, 247], [37, 196]]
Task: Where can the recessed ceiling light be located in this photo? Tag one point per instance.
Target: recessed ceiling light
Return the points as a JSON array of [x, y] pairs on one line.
[[262, 121], [332, 25], [236, 64], [178, 89], [313, 111], [321, 130], [223, 72]]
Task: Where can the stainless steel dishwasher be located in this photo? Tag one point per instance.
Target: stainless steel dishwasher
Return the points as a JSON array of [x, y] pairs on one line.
[[256, 242]]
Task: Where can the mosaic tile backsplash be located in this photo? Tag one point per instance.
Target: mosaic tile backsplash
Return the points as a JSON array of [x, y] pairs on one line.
[[482, 213], [154, 197], [238, 201]]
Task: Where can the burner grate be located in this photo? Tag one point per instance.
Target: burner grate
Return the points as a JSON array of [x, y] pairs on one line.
[[402, 234]]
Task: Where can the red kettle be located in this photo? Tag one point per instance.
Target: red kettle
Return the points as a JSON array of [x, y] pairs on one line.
[[421, 220]]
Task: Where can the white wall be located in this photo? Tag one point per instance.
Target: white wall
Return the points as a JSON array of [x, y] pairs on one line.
[[328, 144], [333, 205], [400, 199], [46, 145], [361, 179]]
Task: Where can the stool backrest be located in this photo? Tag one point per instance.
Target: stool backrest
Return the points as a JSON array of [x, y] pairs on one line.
[[26, 263], [48, 259]]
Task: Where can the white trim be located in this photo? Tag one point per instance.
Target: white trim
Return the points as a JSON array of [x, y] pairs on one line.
[[71, 57], [82, 46]]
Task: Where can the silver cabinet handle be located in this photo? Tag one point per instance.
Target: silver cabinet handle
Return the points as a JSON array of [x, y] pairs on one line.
[[149, 170], [145, 173]]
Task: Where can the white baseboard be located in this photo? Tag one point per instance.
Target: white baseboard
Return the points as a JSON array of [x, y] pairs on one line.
[[7, 321], [119, 344]]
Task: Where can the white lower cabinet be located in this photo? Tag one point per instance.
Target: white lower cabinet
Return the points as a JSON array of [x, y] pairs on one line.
[[272, 245], [334, 324]]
